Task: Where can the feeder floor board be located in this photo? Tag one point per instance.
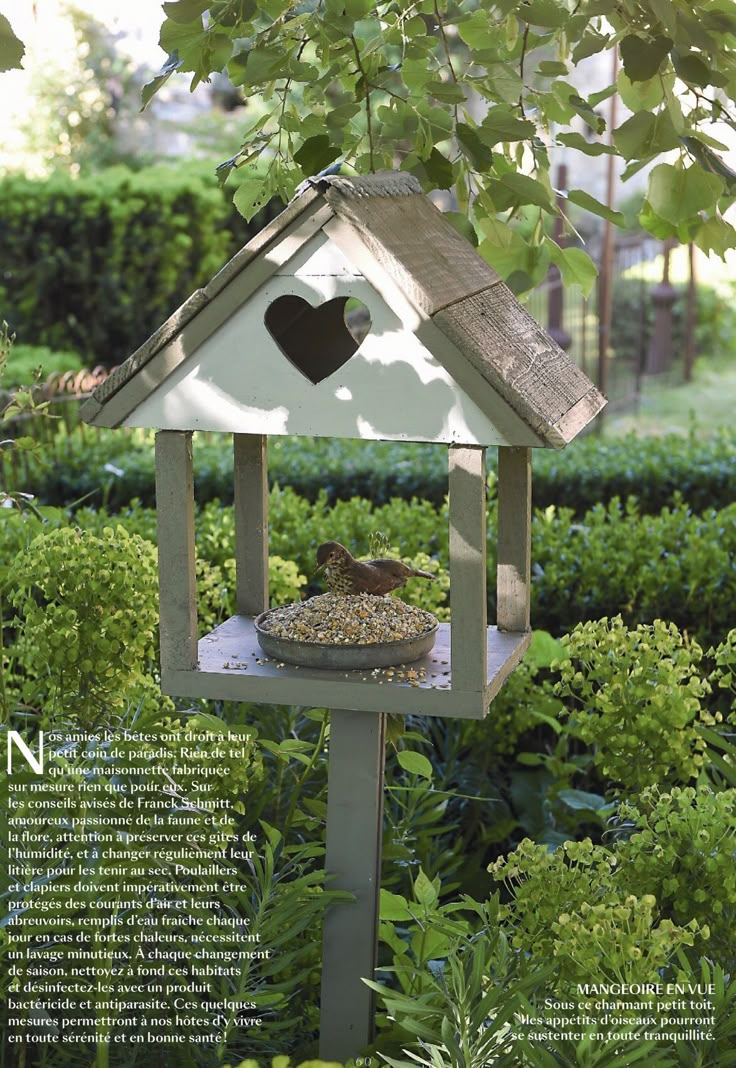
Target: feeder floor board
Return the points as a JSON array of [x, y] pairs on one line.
[[233, 667]]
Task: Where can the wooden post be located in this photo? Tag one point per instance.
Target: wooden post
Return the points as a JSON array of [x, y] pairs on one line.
[[513, 582], [251, 524], [664, 295], [177, 582], [354, 832], [555, 290], [691, 315], [605, 277], [468, 606]]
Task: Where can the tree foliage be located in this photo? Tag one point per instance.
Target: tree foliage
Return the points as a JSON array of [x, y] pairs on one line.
[[470, 95]]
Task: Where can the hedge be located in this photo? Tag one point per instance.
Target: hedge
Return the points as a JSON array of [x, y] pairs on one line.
[[117, 466], [97, 264], [673, 565]]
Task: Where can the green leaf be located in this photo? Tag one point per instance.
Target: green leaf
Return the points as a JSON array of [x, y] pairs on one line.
[[478, 32], [579, 800], [551, 69], [479, 154], [589, 148], [645, 134], [315, 154], [585, 200], [715, 235], [186, 40], [172, 64], [393, 906], [424, 891], [590, 44], [264, 64], [436, 171], [655, 224], [642, 58], [250, 196], [446, 92], [12, 48], [515, 188], [694, 71], [547, 13], [185, 10], [463, 225], [678, 193], [640, 96], [543, 649], [414, 763], [502, 124], [576, 266]]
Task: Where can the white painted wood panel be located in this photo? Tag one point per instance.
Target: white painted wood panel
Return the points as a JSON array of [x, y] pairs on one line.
[[238, 380]]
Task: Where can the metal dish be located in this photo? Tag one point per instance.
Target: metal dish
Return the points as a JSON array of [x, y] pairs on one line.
[[344, 657]]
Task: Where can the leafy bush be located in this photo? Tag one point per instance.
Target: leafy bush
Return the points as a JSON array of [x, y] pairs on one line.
[[26, 359], [578, 907], [97, 264], [87, 609], [679, 845], [675, 565], [117, 466], [637, 700]]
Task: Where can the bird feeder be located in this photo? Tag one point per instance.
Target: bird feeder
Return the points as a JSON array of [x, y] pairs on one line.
[[268, 348]]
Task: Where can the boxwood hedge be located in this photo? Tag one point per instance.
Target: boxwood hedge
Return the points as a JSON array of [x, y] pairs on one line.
[[117, 466]]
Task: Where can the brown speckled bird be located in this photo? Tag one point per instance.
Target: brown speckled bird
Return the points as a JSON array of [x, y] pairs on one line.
[[347, 575]]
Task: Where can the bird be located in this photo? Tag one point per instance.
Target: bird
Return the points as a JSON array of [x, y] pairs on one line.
[[346, 575]]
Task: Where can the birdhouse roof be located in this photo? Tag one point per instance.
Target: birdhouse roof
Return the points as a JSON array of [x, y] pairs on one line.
[[465, 316]]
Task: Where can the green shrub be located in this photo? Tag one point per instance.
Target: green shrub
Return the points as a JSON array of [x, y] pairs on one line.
[[637, 701], [674, 565], [87, 610], [658, 472], [679, 846], [578, 908], [97, 264], [25, 360]]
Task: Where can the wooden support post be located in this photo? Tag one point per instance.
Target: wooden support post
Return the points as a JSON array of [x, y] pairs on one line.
[[177, 582], [513, 579], [664, 295], [354, 831], [468, 608], [251, 524], [555, 289]]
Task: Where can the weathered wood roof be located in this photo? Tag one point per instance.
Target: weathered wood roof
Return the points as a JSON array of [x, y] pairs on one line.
[[456, 294]]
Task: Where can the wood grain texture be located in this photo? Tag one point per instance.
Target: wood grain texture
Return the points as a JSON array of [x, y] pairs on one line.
[[431, 262], [513, 575], [175, 517], [232, 667], [352, 863], [260, 242], [161, 337], [521, 361], [250, 507], [467, 485]]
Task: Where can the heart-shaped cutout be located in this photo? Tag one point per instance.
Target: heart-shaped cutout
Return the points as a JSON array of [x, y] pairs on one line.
[[317, 341]]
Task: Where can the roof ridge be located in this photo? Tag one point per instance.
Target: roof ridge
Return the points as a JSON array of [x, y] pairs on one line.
[[380, 184]]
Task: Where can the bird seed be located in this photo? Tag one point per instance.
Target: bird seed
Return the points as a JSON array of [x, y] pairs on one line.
[[353, 619]]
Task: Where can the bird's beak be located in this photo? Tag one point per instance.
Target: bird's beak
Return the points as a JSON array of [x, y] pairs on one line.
[[320, 568]]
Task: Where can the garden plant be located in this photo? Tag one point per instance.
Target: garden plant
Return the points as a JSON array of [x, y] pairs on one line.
[[583, 833]]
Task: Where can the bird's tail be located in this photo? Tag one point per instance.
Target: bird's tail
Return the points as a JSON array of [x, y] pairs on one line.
[[416, 573]]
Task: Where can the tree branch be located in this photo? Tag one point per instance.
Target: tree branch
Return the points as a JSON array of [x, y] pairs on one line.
[[367, 85]]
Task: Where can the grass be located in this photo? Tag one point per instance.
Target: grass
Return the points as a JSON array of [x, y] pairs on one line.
[[679, 407]]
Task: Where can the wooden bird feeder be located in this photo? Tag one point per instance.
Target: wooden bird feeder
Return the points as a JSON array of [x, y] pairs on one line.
[[266, 348]]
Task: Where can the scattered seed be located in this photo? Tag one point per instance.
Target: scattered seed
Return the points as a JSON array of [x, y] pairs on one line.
[[356, 619]]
